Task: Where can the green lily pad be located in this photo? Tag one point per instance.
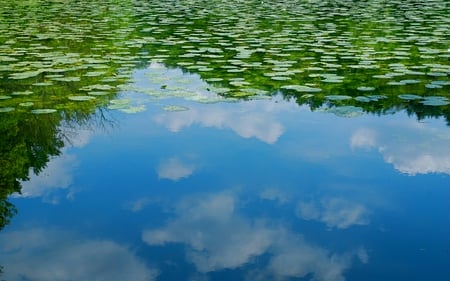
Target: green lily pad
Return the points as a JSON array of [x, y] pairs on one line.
[[133, 109], [377, 97], [346, 111], [365, 89], [24, 75], [363, 99], [26, 104], [338, 97], [441, 82], [81, 98], [43, 84], [5, 97], [22, 93], [98, 93], [435, 101], [410, 97], [301, 88], [43, 111], [67, 79], [175, 108], [6, 109], [119, 104], [433, 86]]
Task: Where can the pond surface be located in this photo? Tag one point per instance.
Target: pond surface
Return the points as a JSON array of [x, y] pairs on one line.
[[212, 140]]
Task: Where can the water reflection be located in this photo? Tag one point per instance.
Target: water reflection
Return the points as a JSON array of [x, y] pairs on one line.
[[58, 175], [334, 212], [54, 254], [412, 148], [220, 237], [255, 119], [206, 201], [174, 169]]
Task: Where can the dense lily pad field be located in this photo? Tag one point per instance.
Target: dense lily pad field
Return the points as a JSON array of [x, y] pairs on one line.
[[346, 56]]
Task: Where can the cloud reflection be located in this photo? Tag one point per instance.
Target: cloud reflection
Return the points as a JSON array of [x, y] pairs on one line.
[[218, 238], [334, 212], [174, 169], [41, 255], [424, 149], [58, 175], [253, 119]]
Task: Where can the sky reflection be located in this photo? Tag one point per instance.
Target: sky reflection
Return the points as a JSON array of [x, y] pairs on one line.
[[196, 194], [219, 237], [52, 254]]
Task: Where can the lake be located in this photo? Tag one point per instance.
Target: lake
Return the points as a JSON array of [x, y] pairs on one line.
[[224, 140]]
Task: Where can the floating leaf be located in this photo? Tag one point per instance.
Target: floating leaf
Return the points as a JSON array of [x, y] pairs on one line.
[[365, 89], [301, 88], [410, 97], [338, 97], [66, 79], [346, 111], [363, 99], [81, 98], [435, 101], [133, 109], [411, 81], [22, 93], [26, 104], [98, 93], [6, 109], [175, 108], [43, 111]]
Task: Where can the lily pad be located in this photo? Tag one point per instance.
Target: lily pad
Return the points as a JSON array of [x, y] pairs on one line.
[[435, 101], [6, 109], [98, 93], [26, 104], [338, 97], [363, 99], [175, 108], [133, 109], [43, 111], [365, 89], [410, 97], [81, 98], [301, 88], [346, 111], [22, 93]]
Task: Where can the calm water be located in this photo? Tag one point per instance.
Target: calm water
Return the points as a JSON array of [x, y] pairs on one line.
[[203, 140]]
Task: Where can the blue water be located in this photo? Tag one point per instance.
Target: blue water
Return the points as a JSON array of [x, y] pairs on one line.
[[251, 190]]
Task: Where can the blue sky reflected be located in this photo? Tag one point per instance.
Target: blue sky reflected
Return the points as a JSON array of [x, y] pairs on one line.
[[255, 190]]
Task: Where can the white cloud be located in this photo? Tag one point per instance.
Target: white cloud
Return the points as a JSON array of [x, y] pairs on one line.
[[252, 119], [58, 175], [294, 257], [274, 194], [139, 204], [363, 138], [218, 238], [174, 169], [411, 149], [334, 212], [47, 255]]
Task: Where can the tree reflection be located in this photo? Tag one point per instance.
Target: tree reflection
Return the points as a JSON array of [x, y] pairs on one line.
[[27, 143]]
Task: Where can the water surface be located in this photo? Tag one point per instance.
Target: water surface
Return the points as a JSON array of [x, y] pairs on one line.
[[201, 140]]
